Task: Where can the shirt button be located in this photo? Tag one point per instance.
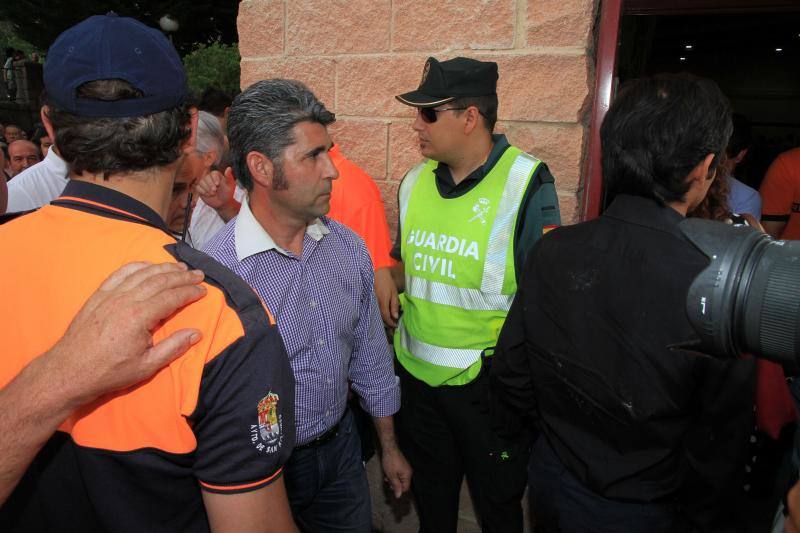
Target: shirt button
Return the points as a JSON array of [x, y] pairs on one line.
[[327, 413], [322, 342], [312, 304], [329, 381]]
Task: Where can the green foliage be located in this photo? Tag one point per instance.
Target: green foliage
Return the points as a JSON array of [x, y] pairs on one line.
[[213, 65], [10, 39]]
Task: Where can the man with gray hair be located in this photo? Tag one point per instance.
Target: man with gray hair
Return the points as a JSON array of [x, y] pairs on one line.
[[316, 275], [205, 157]]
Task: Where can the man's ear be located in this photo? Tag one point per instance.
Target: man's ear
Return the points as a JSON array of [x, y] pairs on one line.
[[710, 173], [261, 168], [703, 169], [48, 126], [699, 181], [190, 144], [473, 121], [229, 175], [740, 156], [701, 172]]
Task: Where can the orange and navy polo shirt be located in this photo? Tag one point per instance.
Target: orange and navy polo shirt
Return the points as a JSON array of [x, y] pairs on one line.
[[220, 418]]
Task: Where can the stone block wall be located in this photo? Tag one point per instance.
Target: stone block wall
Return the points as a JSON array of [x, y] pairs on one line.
[[357, 54]]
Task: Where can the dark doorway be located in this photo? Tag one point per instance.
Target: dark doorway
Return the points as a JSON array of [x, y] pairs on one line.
[[754, 57], [733, 42]]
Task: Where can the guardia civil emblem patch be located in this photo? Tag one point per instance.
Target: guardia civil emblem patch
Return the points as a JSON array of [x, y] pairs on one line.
[[481, 210], [267, 434]]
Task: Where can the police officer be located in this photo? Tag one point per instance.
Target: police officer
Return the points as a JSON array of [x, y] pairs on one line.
[[469, 214]]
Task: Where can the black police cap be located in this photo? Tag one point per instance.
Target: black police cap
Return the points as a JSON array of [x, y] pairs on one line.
[[445, 81]]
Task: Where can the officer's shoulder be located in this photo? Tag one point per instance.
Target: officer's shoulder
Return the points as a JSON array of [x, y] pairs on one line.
[[541, 172], [582, 235], [416, 169]]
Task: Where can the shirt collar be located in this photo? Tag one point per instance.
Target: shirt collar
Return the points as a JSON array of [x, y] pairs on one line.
[[251, 238], [498, 149], [108, 202], [442, 171], [644, 212]]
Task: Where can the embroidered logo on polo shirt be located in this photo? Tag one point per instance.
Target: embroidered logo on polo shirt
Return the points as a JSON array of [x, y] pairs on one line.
[[267, 436]]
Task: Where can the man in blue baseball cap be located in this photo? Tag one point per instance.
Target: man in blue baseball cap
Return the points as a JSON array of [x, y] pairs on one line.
[[199, 446]]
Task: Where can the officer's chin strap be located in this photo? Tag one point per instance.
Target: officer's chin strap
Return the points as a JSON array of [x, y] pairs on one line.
[[186, 214]]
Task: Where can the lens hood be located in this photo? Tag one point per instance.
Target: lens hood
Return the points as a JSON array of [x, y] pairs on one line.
[[748, 298]]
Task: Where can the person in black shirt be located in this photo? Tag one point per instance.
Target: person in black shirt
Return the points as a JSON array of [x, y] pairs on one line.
[[636, 431]]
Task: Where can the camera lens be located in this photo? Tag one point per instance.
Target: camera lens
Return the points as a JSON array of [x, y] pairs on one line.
[[748, 299], [771, 313]]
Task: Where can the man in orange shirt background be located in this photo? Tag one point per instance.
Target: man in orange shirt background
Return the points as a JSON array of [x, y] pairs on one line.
[[780, 196]]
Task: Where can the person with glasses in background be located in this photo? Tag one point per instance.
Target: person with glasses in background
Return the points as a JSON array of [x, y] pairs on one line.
[[205, 158], [469, 214]]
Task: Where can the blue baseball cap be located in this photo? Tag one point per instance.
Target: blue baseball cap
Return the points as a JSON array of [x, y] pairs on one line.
[[105, 47]]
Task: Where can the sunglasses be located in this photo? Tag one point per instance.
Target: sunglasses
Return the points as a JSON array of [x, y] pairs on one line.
[[429, 115]]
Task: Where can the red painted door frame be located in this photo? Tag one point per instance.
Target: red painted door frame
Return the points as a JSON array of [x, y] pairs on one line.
[[611, 12], [605, 68]]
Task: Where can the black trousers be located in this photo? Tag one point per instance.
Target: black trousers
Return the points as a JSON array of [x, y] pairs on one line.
[[445, 433], [562, 504]]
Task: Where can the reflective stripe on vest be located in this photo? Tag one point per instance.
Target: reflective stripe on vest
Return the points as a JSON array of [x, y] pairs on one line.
[[442, 293], [437, 355], [495, 267], [406, 187]]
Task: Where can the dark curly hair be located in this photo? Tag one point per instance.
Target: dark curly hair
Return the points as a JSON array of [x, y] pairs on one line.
[[117, 145], [657, 130]]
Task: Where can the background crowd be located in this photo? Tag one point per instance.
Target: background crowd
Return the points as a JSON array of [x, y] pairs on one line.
[[289, 383]]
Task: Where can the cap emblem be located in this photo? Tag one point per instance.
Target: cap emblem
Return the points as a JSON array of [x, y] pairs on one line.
[[425, 71]]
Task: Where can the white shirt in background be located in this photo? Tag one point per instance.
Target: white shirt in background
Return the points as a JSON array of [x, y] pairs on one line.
[[38, 185], [206, 223]]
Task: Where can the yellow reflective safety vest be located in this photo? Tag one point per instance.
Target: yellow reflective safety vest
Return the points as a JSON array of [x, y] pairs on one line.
[[459, 268]]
